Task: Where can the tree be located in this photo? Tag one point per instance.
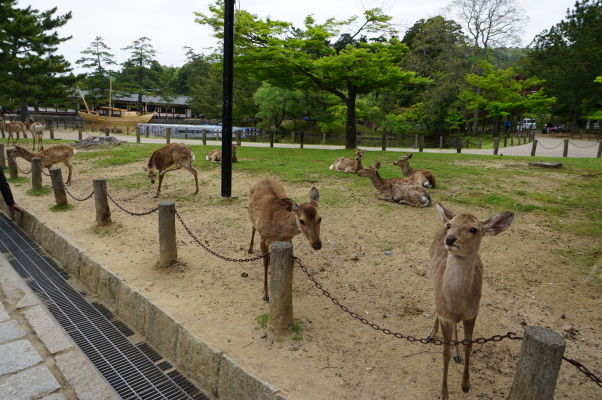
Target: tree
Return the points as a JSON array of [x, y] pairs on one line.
[[97, 58], [141, 71], [30, 69], [318, 56], [275, 104]]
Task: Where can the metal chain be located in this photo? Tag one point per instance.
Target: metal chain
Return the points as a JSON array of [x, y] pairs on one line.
[[45, 172], [77, 198], [137, 214], [584, 370], [549, 148], [20, 170], [583, 147], [206, 248], [409, 338]]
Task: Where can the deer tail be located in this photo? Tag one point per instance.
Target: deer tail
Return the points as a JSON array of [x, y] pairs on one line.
[[207, 158], [331, 167]]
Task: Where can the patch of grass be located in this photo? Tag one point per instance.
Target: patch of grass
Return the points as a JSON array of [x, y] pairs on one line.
[[133, 181], [39, 192], [18, 179], [62, 207], [108, 230], [262, 320]]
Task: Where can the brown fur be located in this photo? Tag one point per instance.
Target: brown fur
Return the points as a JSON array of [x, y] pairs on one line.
[[349, 165], [215, 155], [13, 128], [278, 218], [37, 133], [420, 176], [176, 154], [457, 273], [397, 189], [52, 155]]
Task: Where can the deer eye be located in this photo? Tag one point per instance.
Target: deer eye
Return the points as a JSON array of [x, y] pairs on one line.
[[448, 226], [473, 230], [302, 222]]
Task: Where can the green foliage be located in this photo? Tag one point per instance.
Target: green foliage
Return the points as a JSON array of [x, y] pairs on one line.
[[39, 192], [262, 320], [275, 104], [97, 58], [62, 207]]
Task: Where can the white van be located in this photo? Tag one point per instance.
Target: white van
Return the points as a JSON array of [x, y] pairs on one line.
[[528, 124]]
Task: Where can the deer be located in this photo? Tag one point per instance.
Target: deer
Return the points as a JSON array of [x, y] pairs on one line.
[[13, 128], [349, 165], [215, 155], [398, 190], [52, 155], [37, 132], [278, 218], [420, 176], [175, 154], [457, 275]]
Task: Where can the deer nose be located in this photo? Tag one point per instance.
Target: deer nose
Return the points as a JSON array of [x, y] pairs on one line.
[[317, 245], [450, 239]]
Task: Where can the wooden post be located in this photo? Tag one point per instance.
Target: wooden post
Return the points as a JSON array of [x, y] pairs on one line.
[[271, 139], [238, 138], [505, 141], [440, 142], [137, 134], [421, 143], [79, 133], [107, 131], [416, 141], [301, 139], [204, 133], [114, 130], [533, 148], [12, 165], [101, 202], [565, 152], [467, 142], [186, 134], [127, 130], [168, 136], [147, 130], [58, 187], [459, 145], [538, 365], [280, 318], [168, 252], [599, 149], [2, 156], [480, 142], [384, 143], [36, 173], [51, 129], [324, 138], [511, 141], [496, 145]]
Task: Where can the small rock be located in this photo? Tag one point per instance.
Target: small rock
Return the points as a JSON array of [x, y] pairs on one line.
[[368, 369], [263, 336], [567, 327], [355, 258], [523, 323], [384, 315], [244, 275], [421, 272], [563, 316], [294, 348], [388, 253]]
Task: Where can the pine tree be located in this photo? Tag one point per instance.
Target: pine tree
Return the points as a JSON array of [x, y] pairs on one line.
[[97, 58], [141, 72]]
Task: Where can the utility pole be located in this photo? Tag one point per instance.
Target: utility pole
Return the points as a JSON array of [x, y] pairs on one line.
[[227, 98]]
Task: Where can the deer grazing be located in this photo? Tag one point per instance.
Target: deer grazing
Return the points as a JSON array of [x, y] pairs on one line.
[[13, 128], [420, 176], [215, 155], [37, 132], [398, 190], [52, 155], [457, 273], [176, 154], [349, 165], [278, 218]]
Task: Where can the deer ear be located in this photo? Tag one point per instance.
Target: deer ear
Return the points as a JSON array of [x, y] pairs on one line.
[[410, 155], [289, 204], [376, 165], [145, 169], [446, 215], [499, 223], [314, 195]]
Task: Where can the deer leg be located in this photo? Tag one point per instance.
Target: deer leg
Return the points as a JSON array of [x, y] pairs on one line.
[[266, 263], [159, 186], [250, 251], [468, 328], [433, 333], [446, 330], [70, 167], [196, 178], [457, 357], [385, 198]]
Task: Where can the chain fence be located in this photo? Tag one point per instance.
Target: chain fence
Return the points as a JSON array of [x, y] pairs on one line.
[[77, 198], [137, 214], [584, 147], [584, 370], [21, 171], [549, 148]]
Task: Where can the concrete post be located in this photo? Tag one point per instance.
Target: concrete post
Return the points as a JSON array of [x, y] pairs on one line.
[[101, 202], [565, 152], [36, 173], [168, 253], [533, 148], [496, 145], [12, 165], [2, 156], [58, 187], [280, 318], [538, 365]]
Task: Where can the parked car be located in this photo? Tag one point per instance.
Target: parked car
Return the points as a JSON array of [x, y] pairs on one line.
[[527, 124]]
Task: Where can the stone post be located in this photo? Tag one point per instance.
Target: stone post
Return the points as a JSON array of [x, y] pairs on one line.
[[168, 253], [280, 318], [101, 202]]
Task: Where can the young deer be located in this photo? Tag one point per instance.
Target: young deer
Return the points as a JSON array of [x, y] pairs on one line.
[[349, 165], [37, 132], [457, 273], [215, 155], [13, 128], [52, 155], [177, 154], [420, 176], [397, 189], [278, 218]]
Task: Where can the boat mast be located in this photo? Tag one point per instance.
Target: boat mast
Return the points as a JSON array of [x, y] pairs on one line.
[[110, 95], [83, 98]]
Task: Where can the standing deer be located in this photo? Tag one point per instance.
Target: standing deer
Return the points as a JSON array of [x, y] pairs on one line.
[[398, 190], [349, 165], [278, 218], [457, 273], [177, 154], [420, 176], [215, 155], [37, 132], [13, 128], [52, 155]]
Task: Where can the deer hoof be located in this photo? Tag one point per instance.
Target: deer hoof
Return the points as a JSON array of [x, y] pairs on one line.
[[458, 360], [429, 338], [465, 389], [250, 251], [266, 299]]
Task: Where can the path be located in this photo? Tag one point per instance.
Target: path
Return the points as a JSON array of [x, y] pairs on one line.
[[547, 147]]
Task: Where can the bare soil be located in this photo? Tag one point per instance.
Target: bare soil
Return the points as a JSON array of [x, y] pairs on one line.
[[337, 357]]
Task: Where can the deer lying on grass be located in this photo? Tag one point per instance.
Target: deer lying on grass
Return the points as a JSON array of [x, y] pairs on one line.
[[349, 165], [37, 132], [457, 273], [278, 218], [420, 176], [215, 155], [13, 128], [52, 155], [398, 190], [177, 154]]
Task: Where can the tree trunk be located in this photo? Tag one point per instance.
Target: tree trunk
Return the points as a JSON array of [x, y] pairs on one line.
[[24, 111], [475, 115], [140, 110], [497, 126], [351, 134]]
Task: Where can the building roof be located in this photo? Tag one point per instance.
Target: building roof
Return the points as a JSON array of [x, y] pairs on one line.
[[177, 101]]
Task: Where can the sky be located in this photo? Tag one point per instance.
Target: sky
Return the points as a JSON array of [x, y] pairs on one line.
[[171, 26]]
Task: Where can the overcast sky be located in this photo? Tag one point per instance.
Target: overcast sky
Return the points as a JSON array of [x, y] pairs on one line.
[[170, 24]]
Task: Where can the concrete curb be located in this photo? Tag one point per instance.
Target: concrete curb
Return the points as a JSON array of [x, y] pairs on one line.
[[212, 370]]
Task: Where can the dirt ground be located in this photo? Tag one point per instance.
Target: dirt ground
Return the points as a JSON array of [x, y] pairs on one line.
[[338, 357]]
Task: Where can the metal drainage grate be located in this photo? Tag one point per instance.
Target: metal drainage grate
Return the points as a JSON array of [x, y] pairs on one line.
[[127, 367]]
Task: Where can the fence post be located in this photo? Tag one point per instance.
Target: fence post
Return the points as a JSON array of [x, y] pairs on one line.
[[79, 133], [168, 252], [168, 135], [2, 156], [511, 140], [147, 130], [36, 173], [416, 141], [12, 165], [204, 133], [51, 129], [303, 137], [107, 131], [537, 369], [280, 318], [384, 143], [60, 196], [421, 143], [459, 145], [599, 149], [565, 152], [101, 202], [533, 148], [440, 142], [480, 142], [238, 138], [271, 139], [496, 145], [137, 134]]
